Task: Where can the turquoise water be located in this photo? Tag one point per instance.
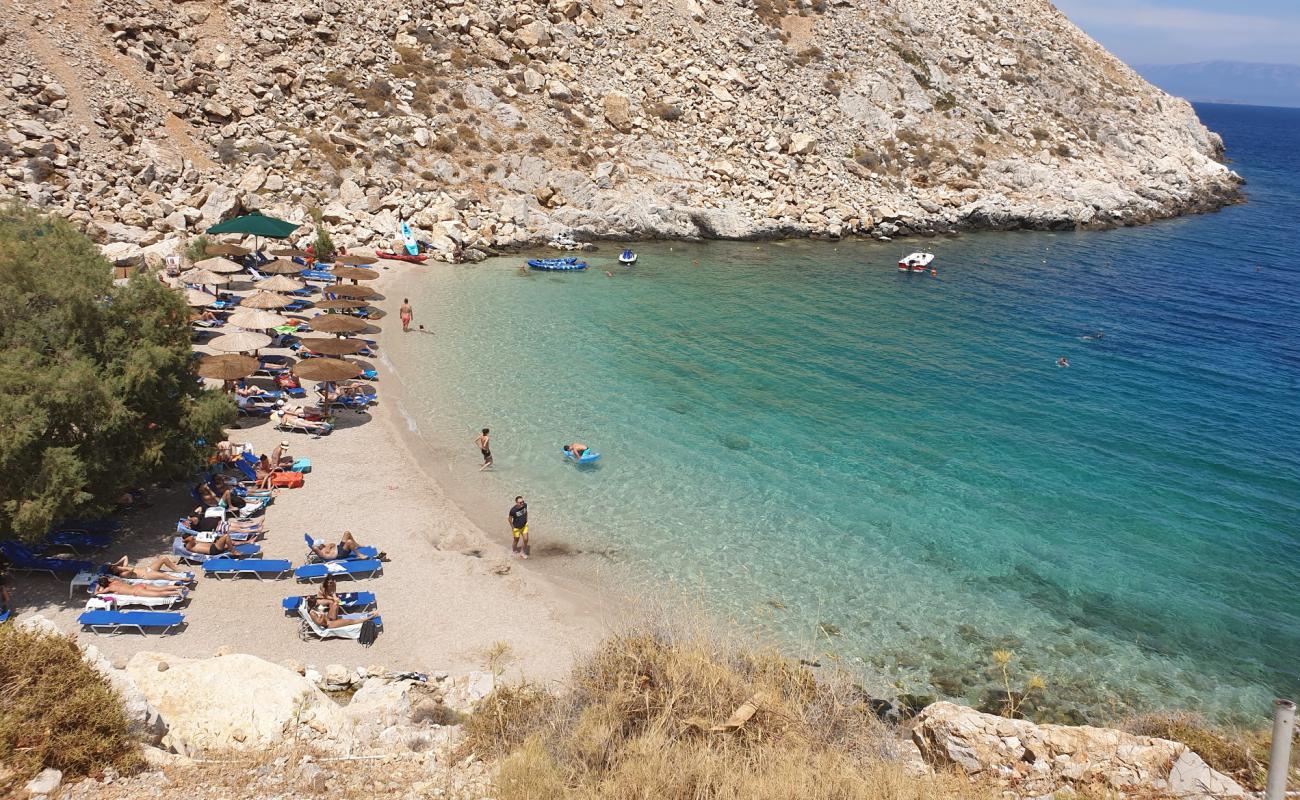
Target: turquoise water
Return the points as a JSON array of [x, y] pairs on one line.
[[891, 470]]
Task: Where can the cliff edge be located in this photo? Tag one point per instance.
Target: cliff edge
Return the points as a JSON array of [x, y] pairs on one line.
[[491, 123]]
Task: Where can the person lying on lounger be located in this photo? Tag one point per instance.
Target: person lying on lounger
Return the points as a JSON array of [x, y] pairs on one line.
[[294, 417], [227, 499], [110, 585], [329, 618], [122, 568], [346, 548], [326, 597], [222, 544], [199, 521]]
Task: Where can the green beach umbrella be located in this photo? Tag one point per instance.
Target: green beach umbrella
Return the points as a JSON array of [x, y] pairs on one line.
[[256, 225]]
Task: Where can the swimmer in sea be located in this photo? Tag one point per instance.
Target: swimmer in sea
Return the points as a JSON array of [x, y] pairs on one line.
[[576, 449], [1062, 362], [608, 274]]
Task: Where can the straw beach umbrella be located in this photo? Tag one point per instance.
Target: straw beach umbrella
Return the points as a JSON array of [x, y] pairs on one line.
[[256, 319], [333, 347], [240, 342], [218, 264], [281, 266], [355, 273], [279, 283], [355, 260], [326, 369], [197, 299], [290, 252], [337, 323], [266, 300], [223, 249], [351, 291], [203, 277], [227, 367]]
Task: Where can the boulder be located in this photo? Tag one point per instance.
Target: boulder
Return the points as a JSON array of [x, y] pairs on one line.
[[236, 702], [534, 34], [463, 692], [222, 202], [146, 723], [802, 144], [44, 784], [1043, 759], [618, 111]]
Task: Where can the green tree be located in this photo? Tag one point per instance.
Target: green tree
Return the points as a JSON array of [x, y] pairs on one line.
[[323, 245], [97, 394]]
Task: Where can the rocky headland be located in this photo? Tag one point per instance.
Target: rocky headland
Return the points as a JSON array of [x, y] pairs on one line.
[[493, 124]]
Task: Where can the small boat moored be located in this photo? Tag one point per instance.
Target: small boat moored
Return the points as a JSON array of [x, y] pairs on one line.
[[627, 258], [557, 264], [916, 262]]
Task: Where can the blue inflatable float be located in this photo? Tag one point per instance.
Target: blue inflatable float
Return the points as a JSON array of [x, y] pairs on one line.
[[588, 456], [557, 264]]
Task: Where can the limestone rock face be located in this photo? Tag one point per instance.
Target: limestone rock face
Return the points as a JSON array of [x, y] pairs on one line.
[[1042, 759], [236, 702]]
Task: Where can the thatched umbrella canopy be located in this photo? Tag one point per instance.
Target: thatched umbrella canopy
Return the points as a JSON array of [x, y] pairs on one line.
[[332, 347], [228, 367], [240, 342], [355, 260], [281, 266], [203, 277], [256, 319], [279, 283], [218, 264], [350, 291], [223, 249], [266, 300], [326, 369], [355, 273], [290, 252], [337, 323], [197, 299]]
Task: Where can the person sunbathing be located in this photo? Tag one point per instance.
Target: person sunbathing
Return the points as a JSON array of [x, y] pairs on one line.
[[280, 456], [162, 569], [348, 547], [244, 389], [199, 521], [109, 585], [326, 597], [330, 618], [294, 417], [227, 499], [222, 544]]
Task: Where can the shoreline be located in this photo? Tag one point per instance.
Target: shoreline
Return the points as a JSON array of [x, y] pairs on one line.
[[443, 609]]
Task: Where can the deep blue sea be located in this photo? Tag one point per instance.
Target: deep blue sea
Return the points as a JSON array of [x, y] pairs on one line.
[[890, 470]]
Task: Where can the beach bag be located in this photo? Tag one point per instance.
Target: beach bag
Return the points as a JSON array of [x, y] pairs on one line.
[[302, 465], [287, 480], [369, 632]]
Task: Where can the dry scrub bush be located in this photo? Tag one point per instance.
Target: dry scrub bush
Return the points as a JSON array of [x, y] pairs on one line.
[[1242, 755], [635, 723], [56, 711]]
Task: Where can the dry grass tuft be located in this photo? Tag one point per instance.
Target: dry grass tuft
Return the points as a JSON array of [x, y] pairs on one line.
[[1242, 755], [56, 711], [646, 716]]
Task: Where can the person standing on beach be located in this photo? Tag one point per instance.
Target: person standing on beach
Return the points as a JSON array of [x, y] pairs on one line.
[[518, 517], [405, 313], [484, 447]]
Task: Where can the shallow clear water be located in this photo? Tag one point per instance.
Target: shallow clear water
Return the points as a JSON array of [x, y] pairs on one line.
[[891, 469]]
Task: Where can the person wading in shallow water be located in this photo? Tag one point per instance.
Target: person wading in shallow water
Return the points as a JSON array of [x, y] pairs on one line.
[[518, 517], [484, 447], [406, 314]]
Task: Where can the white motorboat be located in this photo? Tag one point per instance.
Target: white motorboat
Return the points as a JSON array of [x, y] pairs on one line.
[[916, 262]]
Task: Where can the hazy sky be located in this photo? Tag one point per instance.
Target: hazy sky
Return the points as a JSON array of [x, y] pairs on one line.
[[1186, 31]]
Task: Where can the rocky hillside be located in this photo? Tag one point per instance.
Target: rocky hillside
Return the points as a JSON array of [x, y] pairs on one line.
[[494, 123]]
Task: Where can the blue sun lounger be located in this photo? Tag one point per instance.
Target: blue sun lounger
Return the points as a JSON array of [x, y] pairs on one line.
[[257, 567], [22, 559], [78, 540], [361, 552], [241, 551], [308, 629], [113, 622], [354, 569], [353, 601]]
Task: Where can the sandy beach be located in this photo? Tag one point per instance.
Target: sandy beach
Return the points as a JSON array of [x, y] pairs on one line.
[[450, 593]]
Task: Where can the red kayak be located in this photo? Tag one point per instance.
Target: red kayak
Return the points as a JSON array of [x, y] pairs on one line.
[[401, 257]]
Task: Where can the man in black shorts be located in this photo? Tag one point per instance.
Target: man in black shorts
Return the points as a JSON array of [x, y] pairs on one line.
[[485, 447], [518, 517]]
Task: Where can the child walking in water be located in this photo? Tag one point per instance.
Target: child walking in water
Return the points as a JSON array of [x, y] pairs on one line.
[[405, 313], [485, 447]]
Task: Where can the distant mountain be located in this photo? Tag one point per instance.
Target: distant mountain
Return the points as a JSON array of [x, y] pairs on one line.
[[1229, 82]]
